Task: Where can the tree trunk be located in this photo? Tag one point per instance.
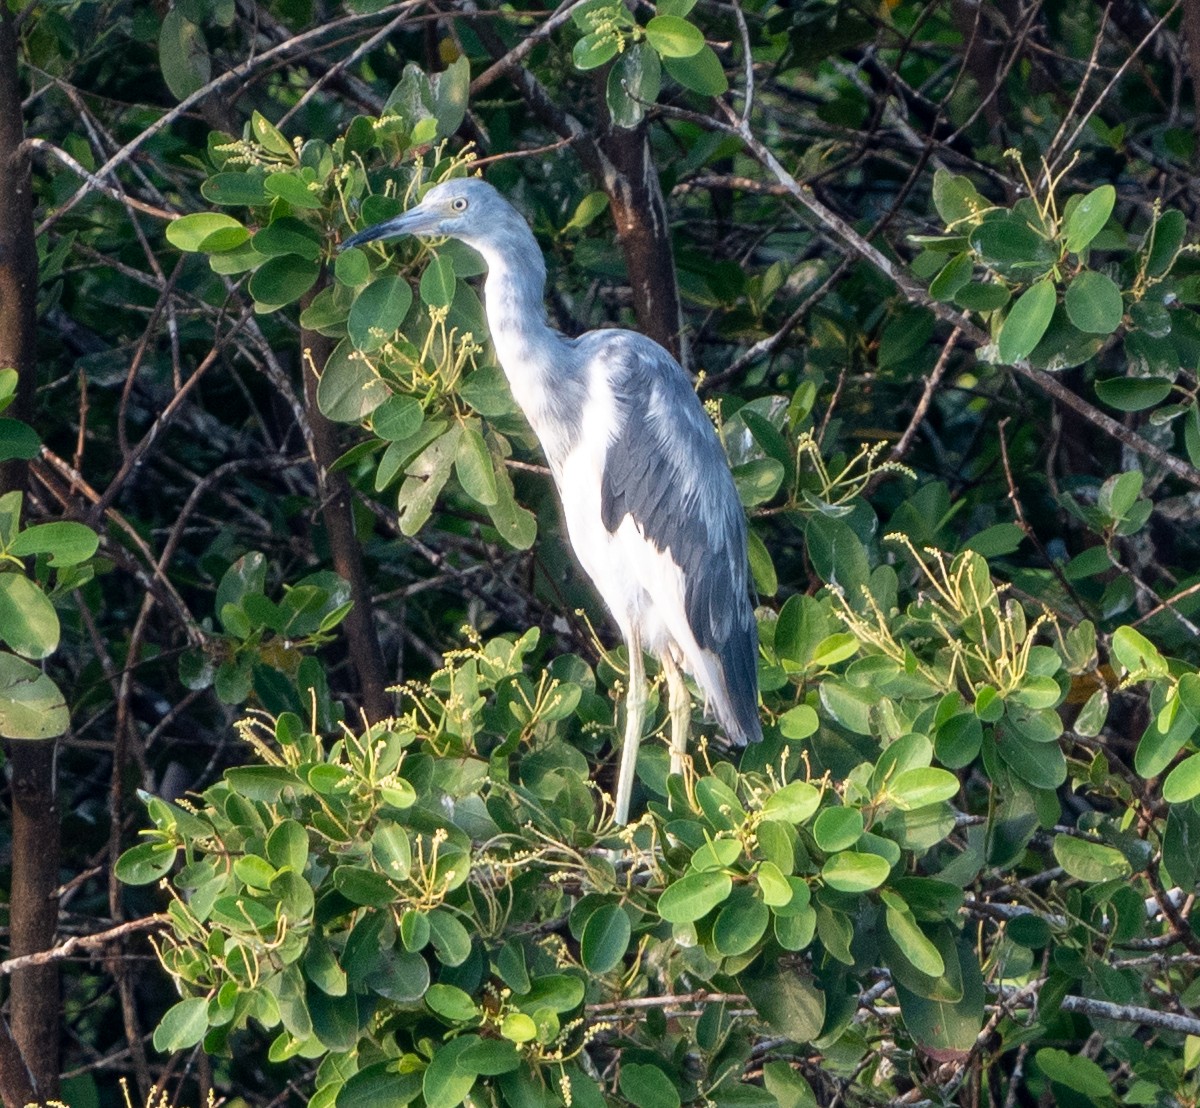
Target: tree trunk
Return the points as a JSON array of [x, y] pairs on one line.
[[640, 214], [33, 919], [335, 494]]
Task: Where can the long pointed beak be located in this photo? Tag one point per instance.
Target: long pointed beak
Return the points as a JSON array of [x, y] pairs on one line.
[[415, 221]]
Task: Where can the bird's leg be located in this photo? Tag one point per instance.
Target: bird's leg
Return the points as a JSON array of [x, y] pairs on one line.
[[635, 710], [680, 706]]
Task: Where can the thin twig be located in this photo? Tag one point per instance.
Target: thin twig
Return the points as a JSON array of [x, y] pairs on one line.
[[917, 294], [514, 57], [1115, 78], [116, 194], [931, 384], [78, 943]]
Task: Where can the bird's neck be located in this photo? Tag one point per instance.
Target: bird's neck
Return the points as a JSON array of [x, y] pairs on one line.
[[535, 358]]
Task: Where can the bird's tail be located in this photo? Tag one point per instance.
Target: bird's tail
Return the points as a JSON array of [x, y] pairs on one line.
[[735, 700]]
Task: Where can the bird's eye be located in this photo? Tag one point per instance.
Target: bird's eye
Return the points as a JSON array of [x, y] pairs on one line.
[[459, 204]]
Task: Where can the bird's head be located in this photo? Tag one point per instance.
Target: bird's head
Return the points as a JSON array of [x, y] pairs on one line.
[[466, 208]]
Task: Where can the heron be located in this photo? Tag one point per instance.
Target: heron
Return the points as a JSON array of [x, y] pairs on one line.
[[649, 501]]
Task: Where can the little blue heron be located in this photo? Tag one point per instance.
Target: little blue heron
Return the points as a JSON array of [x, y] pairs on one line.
[[650, 505]]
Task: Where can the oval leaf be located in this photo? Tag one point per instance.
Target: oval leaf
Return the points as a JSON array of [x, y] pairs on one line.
[[851, 872], [1094, 304], [694, 896], [1026, 323], [674, 37], [1089, 217]]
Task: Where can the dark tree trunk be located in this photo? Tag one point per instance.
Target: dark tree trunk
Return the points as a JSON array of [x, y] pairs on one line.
[[337, 511], [33, 1001], [620, 163], [640, 214]]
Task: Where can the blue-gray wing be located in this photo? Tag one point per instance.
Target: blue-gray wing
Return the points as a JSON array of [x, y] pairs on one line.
[[668, 470]]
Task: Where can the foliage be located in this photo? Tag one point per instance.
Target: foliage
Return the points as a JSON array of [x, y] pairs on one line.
[[31, 704], [953, 363]]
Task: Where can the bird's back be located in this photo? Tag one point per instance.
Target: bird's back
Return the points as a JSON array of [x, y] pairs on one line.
[[665, 469]]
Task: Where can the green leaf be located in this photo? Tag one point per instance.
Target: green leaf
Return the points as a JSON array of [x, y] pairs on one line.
[[427, 476], [605, 938], [838, 828], [474, 468], [349, 389], [953, 276], [997, 540], [982, 296], [1137, 653], [646, 1085], [518, 1027], [674, 37], [1089, 217], [716, 854], [1038, 763], [593, 51], [1026, 322], [282, 280], [1119, 493], [489, 1058], [146, 863], [786, 1085], [269, 136], [451, 1003], [17, 440], [1090, 861], [287, 846], [206, 232], [379, 1084], [741, 923], [487, 391], [798, 723], [66, 542], [1133, 394], [633, 82], [956, 198], [288, 235], [242, 189], [837, 554], [445, 1084], [693, 896], [920, 787], [1164, 240], [378, 313], [776, 891], [851, 872], [399, 417], [945, 1025], [794, 803], [1075, 1072], [1183, 782], [757, 480], [438, 283], [351, 268], [1011, 245], [28, 621], [183, 1025], [451, 940], [701, 72], [364, 886], [914, 944], [183, 57], [787, 1001], [1094, 304], [958, 740], [290, 186], [451, 91]]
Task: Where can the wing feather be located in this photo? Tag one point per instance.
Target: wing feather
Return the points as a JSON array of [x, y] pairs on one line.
[[666, 469]]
